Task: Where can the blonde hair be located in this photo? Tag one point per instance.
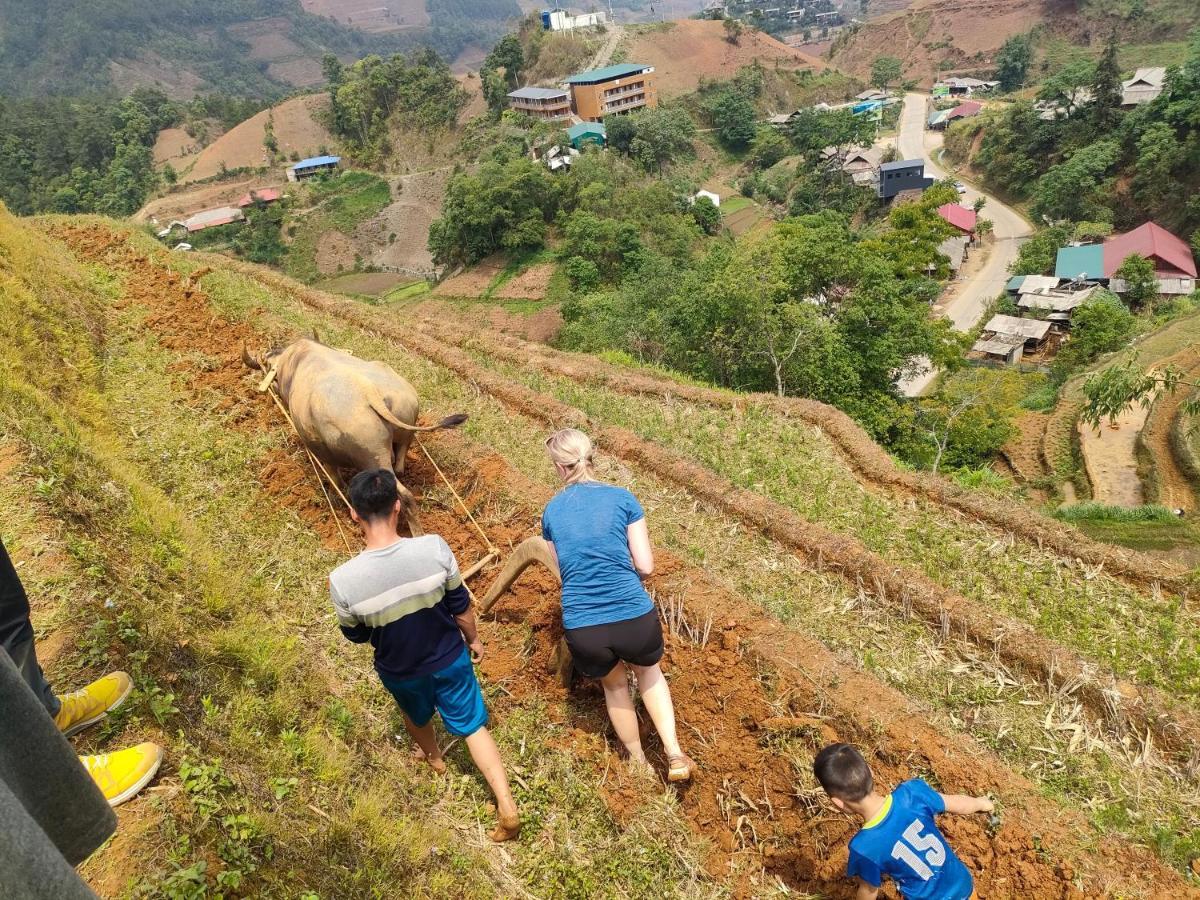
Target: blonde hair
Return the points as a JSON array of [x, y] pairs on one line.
[[573, 450]]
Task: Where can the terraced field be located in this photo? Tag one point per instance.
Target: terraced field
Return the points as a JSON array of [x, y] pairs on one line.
[[839, 597]]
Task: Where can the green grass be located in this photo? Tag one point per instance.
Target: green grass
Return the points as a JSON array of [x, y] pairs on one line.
[[730, 205], [1099, 512], [407, 292], [340, 203]]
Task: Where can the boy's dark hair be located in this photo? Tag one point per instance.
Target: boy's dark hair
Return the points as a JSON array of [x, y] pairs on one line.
[[843, 772], [374, 493]]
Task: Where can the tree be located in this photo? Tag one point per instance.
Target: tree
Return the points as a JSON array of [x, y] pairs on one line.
[[1106, 85], [706, 214], [1101, 325], [1075, 190], [1141, 280], [509, 56], [885, 70], [733, 116], [1159, 152], [1118, 388], [733, 29], [1012, 62], [620, 132], [769, 147]]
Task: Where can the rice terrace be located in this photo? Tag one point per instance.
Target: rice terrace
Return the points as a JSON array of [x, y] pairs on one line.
[[894, 563]]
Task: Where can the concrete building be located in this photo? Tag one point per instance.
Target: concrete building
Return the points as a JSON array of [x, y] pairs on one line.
[[903, 175], [548, 104], [561, 20], [314, 165], [613, 89]]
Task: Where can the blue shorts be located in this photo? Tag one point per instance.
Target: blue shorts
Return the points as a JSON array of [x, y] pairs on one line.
[[453, 691]]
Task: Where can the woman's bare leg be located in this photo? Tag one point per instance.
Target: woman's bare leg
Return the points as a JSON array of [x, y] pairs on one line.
[[621, 712], [656, 694]]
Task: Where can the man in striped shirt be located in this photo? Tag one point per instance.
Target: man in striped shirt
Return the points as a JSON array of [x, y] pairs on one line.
[[406, 597]]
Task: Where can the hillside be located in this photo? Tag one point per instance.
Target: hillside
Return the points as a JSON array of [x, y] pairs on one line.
[[686, 52], [818, 592], [258, 48], [960, 36]]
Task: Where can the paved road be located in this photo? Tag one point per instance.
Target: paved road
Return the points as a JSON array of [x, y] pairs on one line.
[[965, 303]]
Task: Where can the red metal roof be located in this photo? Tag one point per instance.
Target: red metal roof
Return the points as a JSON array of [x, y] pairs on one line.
[[265, 195], [1169, 254], [959, 216], [970, 108]]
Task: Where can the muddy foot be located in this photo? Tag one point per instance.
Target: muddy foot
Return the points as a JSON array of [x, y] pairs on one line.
[[506, 829], [437, 763]]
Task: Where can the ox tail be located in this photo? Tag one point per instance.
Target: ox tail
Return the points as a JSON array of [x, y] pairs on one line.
[[384, 413], [529, 551]]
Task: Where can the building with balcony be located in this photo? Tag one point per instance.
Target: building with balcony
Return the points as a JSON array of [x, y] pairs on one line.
[[613, 89], [550, 104]]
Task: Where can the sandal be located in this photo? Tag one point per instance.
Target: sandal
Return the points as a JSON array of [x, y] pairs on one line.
[[680, 768]]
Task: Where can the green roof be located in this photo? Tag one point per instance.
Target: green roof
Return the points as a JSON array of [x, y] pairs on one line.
[[608, 73], [587, 129], [1080, 262]]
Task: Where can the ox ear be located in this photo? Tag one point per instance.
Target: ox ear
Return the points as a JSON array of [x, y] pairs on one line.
[[316, 337]]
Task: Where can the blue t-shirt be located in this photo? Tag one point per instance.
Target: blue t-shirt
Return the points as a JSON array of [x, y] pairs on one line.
[[587, 524], [903, 842]]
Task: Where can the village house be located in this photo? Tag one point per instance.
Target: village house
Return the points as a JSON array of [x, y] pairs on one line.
[[211, 218], [584, 133], [965, 220], [1010, 338], [1172, 258], [614, 89], [259, 195], [1144, 86], [547, 104], [860, 163], [902, 175], [1057, 305], [941, 119], [872, 94], [964, 87], [314, 165]]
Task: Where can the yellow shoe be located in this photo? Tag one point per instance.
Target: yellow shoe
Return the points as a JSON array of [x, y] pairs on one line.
[[89, 705], [123, 773]]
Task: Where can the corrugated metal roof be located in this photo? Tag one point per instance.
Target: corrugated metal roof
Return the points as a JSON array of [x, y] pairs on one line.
[[902, 164], [1030, 329], [963, 110], [314, 161], [210, 218], [1086, 262], [538, 93], [587, 128], [1169, 253], [608, 73], [959, 216]]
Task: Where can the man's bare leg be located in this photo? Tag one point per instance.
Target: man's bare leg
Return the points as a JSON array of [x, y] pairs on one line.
[[426, 741], [486, 755], [621, 711]]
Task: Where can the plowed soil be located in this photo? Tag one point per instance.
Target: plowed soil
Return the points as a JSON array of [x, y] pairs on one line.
[[1172, 487], [1174, 727], [695, 50], [736, 697]]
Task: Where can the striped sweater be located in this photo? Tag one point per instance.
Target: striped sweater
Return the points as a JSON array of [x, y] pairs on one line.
[[403, 599]]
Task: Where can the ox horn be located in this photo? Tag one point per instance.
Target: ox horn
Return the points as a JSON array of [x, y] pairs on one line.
[[529, 551], [250, 361]]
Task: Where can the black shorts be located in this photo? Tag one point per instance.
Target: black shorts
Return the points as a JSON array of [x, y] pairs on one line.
[[597, 648]]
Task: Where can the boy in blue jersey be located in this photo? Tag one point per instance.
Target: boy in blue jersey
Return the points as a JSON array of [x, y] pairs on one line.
[[899, 837]]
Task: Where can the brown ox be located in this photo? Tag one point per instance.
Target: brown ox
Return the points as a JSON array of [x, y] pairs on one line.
[[353, 414]]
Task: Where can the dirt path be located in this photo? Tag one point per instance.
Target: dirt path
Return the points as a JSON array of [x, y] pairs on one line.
[[1110, 458], [749, 798]]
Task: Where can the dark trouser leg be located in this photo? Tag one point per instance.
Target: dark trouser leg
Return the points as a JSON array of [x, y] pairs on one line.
[[53, 814], [16, 633]]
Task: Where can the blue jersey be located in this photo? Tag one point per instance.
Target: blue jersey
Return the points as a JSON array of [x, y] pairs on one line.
[[903, 843], [587, 524]]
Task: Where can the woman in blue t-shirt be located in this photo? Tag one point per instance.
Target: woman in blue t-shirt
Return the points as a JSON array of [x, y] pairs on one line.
[[598, 533]]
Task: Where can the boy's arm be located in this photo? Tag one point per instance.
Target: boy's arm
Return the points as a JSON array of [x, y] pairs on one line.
[[962, 805], [470, 633], [866, 891], [352, 628]]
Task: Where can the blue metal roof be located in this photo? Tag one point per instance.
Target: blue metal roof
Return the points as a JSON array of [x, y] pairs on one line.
[[314, 161], [1080, 262], [608, 73], [902, 164]]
